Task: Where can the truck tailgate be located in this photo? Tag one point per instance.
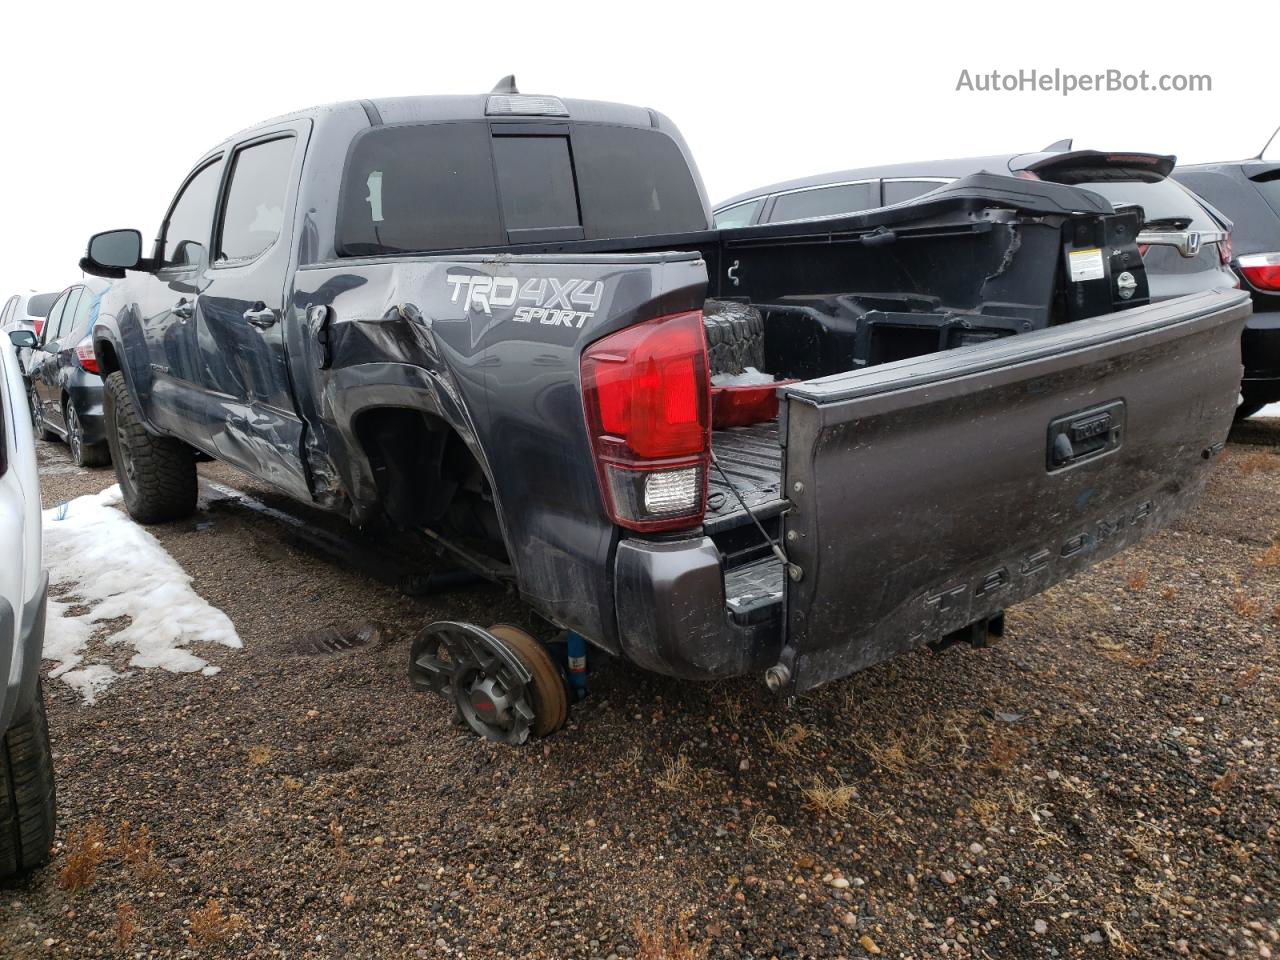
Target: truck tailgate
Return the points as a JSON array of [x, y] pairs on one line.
[[931, 493]]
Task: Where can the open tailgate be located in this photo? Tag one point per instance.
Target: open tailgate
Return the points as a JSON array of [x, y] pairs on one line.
[[931, 493]]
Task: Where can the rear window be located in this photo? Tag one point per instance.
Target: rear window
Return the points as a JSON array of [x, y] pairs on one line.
[[634, 183], [535, 183], [38, 306], [457, 185], [1163, 200], [419, 188]]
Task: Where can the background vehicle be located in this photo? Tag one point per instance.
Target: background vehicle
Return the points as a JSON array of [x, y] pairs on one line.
[[480, 320], [26, 763], [66, 390], [25, 311], [1248, 191], [1186, 247]]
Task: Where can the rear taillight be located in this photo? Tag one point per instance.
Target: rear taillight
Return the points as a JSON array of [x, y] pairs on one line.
[[1142, 249], [1262, 270], [85, 356], [1224, 249], [647, 396], [38, 323]]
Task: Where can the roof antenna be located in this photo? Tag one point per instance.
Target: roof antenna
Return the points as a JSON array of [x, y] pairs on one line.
[[1270, 140], [1058, 146], [506, 85]]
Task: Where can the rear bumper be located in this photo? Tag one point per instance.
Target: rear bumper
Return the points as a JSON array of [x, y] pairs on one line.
[[1260, 351], [85, 392], [673, 618]]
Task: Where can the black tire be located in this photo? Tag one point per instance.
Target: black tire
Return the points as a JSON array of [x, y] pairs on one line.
[[157, 474], [37, 420], [735, 336], [27, 798], [83, 454], [1248, 409]]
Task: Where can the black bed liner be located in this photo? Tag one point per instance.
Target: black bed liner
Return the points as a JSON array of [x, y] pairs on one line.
[[751, 460]]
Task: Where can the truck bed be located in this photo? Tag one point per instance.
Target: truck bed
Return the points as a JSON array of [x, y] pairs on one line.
[[750, 463]]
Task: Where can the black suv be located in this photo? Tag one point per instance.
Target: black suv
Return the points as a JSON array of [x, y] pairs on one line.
[[1185, 245], [1248, 191]]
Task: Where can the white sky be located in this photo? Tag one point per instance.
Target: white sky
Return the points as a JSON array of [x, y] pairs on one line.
[[105, 109]]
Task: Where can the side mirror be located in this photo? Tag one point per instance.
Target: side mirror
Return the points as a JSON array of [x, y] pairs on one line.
[[113, 252], [24, 338]]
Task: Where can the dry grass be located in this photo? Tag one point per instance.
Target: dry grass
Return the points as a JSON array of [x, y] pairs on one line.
[[656, 939], [830, 799], [259, 756], [902, 750], [1258, 462], [1117, 652], [676, 773], [137, 850], [788, 743], [1270, 557], [1004, 750], [1225, 782], [126, 925], [1138, 581], [212, 926], [1245, 605], [767, 832], [85, 850]]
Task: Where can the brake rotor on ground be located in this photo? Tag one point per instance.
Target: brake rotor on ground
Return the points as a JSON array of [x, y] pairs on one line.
[[503, 683]]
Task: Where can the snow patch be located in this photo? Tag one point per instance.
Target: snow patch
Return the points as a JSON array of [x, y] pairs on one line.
[[1270, 410], [118, 569], [749, 377]]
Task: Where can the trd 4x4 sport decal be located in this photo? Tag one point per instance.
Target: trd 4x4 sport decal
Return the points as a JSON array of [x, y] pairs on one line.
[[544, 300]]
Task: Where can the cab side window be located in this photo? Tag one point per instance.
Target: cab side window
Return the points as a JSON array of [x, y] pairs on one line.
[[254, 212], [67, 320], [740, 215], [55, 316], [191, 219], [78, 324]]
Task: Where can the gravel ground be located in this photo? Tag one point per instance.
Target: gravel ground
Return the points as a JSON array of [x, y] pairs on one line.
[[1103, 782]]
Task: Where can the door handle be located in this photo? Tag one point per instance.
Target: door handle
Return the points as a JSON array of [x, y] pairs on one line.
[[183, 309], [260, 315]]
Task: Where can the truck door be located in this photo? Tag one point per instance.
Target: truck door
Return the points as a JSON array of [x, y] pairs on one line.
[[241, 311], [44, 362], [169, 386]]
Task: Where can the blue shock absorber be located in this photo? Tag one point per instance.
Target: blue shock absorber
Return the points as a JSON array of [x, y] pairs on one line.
[[577, 652]]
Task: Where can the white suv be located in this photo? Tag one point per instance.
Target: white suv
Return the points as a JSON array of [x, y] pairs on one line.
[[26, 764]]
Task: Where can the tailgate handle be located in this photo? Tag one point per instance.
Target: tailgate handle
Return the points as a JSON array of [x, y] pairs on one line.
[[1084, 435]]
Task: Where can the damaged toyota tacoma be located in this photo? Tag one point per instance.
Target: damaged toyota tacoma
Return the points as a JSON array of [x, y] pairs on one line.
[[505, 324]]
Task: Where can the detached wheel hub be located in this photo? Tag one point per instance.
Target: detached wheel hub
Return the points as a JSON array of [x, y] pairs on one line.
[[502, 682]]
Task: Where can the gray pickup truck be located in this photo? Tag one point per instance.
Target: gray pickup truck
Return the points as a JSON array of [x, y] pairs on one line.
[[504, 322]]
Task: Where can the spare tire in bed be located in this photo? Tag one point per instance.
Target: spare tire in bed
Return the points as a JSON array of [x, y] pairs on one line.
[[735, 336]]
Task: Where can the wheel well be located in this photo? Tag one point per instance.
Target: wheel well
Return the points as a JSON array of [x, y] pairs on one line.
[[426, 475], [108, 362]]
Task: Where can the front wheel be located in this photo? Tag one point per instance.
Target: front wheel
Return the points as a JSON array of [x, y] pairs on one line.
[[27, 800], [157, 474]]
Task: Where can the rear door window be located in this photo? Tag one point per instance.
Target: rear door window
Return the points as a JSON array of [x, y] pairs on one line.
[[67, 317], [8, 311], [77, 326], [535, 184], [825, 201], [254, 211]]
